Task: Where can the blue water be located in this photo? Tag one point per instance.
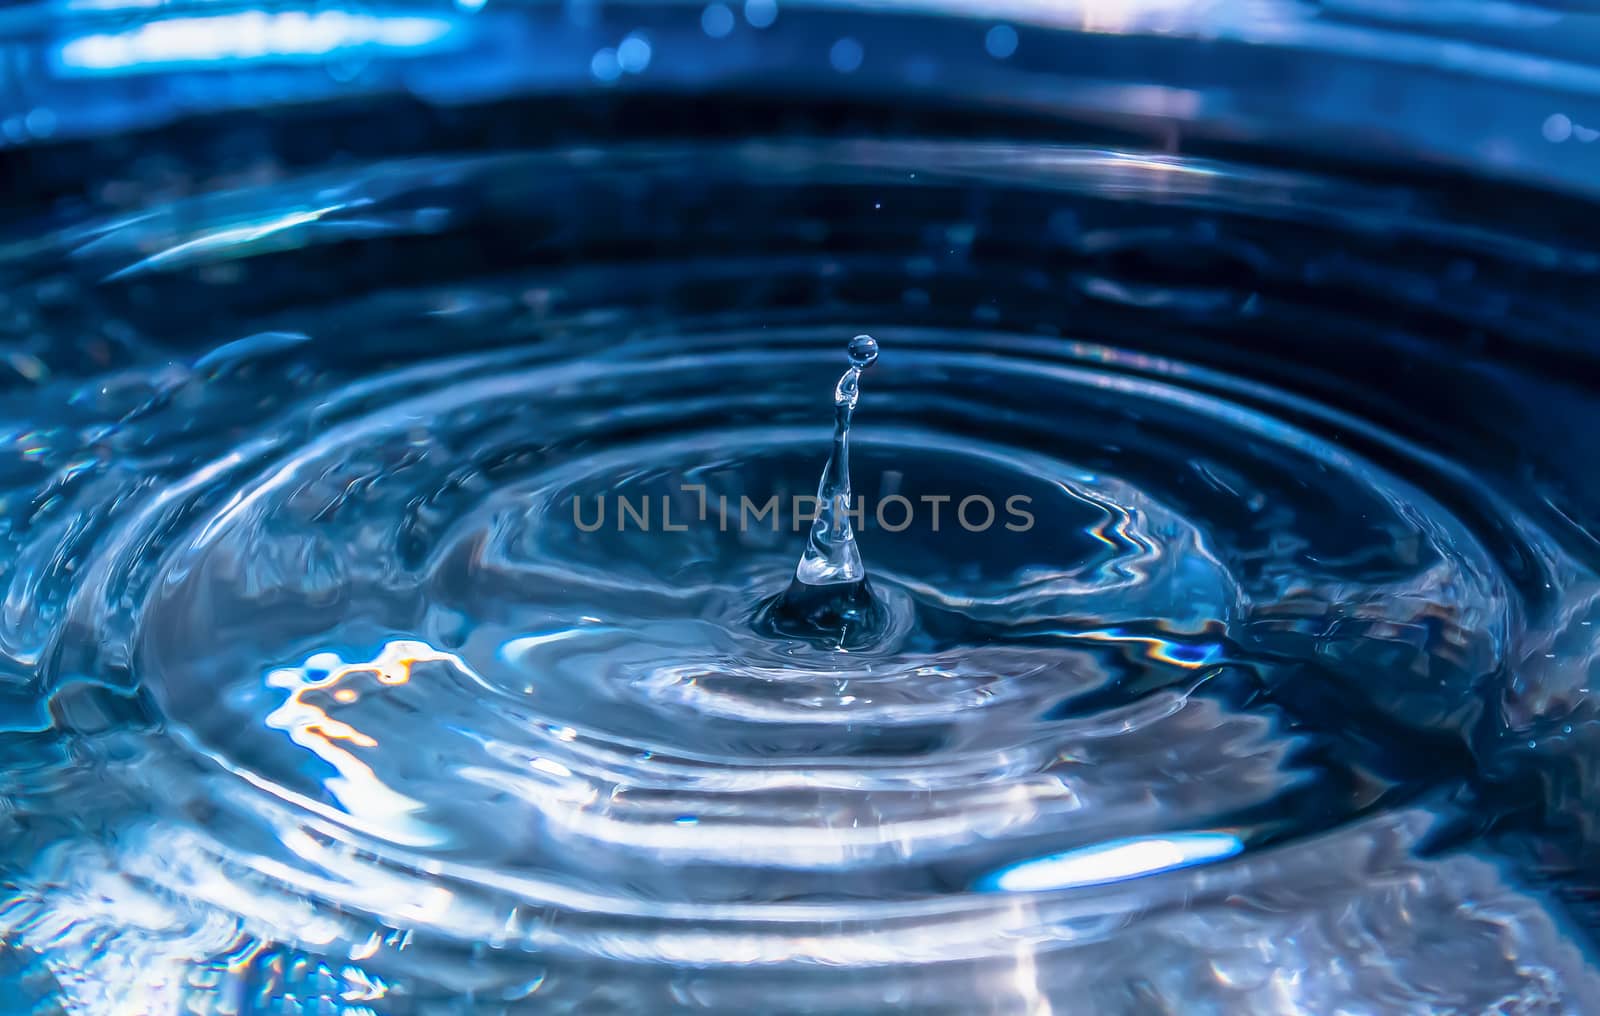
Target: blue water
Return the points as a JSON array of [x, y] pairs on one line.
[[399, 600]]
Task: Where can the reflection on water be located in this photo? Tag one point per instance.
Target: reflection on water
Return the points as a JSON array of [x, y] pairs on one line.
[[318, 693], [1115, 861]]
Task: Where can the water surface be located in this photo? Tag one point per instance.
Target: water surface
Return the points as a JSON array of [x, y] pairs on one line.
[[318, 694]]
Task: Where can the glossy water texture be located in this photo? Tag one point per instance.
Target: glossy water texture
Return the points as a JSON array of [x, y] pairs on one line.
[[324, 691]]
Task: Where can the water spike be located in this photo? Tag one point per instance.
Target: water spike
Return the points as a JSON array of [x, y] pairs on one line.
[[829, 596], [831, 556]]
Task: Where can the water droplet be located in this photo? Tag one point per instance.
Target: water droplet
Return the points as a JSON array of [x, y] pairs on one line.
[[761, 13], [716, 21], [1001, 41], [41, 122], [633, 54], [846, 55], [605, 66], [1557, 128], [863, 350]]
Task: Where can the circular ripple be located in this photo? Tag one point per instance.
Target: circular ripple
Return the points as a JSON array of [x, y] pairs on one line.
[[361, 687], [467, 689]]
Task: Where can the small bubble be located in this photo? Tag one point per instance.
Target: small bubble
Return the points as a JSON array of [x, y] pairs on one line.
[[846, 55], [1001, 41], [863, 350], [761, 13], [633, 55], [716, 21], [1557, 128]]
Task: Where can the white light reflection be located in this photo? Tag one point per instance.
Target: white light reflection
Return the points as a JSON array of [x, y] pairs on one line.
[[248, 35], [223, 240], [1115, 16], [361, 793], [1114, 861], [515, 648]]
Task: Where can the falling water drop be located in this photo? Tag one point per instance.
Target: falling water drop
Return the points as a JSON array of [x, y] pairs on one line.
[[863, 352], [829, 597]]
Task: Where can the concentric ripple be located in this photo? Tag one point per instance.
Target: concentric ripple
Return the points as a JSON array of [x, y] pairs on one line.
[[455, 679], [399, 636]]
